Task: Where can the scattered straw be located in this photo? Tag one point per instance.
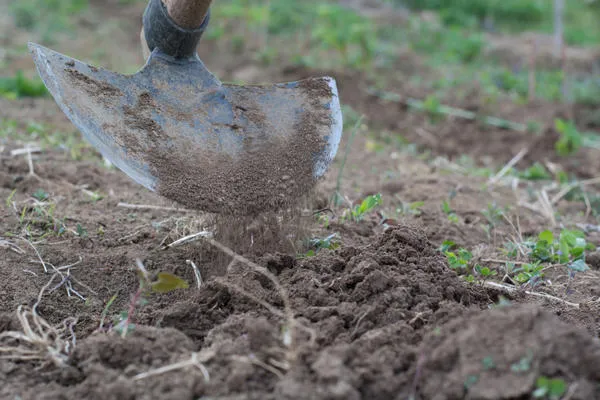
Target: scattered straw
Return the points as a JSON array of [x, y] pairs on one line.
[[151, 207], [191, 238], [196, 360], [38, 340], [494, 179], [513, 289], [196, 273]]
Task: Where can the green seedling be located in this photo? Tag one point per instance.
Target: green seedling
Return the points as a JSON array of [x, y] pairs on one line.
[[38, 221], [165, 283], [432, 107], [10, 197], [330, 242], [357, 213], [524, 364], [551, 389], [413, 208], [40, 195], [493, 214], [452, 217], [568, 248], [528, 272], [537, 172], [81, 231], [570, 140]]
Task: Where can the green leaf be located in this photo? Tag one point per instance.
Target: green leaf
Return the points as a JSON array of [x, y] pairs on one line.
[[579, 266], [168, 282], [557, 387], [40, 195], [446, 207], [547, 236], [447, 245]]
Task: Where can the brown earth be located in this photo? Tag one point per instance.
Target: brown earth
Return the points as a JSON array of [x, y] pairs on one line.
[[380, 317]]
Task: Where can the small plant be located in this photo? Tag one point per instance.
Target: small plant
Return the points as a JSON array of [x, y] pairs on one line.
[[493, 214], [413, 208], [41, 195], [452, 217], [432, 107], [357, 213], [21, 86], [165, 282], [568, 248], [330, 242], [570, 140], [537, 172], [551, 389], [528, 272]]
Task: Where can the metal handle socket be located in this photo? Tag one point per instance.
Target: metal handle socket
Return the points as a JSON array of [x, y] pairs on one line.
[[163, 33]]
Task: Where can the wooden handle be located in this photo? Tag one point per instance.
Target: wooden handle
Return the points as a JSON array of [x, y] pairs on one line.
[[188, 14]]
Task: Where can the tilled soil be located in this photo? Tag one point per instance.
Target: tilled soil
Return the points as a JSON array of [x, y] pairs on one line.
[[380, 317]]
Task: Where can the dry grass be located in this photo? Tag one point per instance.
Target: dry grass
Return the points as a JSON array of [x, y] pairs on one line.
[[38, 340]]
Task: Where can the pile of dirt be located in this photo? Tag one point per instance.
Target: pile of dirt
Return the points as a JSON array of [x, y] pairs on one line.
[[501, 353], [368, 307]]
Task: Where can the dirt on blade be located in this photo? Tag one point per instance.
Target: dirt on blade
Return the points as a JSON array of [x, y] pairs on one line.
[[267, 176]]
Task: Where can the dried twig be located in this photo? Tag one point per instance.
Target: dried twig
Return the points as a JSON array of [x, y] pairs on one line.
[[196, 273], [508, 166], [38, 340], [196, 360], [512, 289], [191, 238], [152, 207]]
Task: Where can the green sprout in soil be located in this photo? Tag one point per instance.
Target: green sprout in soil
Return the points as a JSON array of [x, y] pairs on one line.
[[330, 242], [358, 212], [461, 261], [165, 283], [447, 209], [38, 220], [570, 140], [551, 389], [537, 172], [413, 208]]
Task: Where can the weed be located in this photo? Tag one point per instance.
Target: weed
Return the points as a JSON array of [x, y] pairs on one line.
[[537, 172], [358, 212], [447, 209], [165, 283], [551, 389], [493, 214], [524, 364], [47, 17], [20, 86], [330, 242], [528, 272], [81, 231], [40, 195], [413, 208], [570, 140]]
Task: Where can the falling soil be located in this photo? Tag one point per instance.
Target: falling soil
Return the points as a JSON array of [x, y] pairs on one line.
[[381, 316], [267, 175], [272, 171]]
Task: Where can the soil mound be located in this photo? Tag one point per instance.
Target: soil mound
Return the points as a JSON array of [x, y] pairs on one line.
[[501, 353]]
